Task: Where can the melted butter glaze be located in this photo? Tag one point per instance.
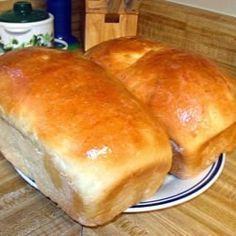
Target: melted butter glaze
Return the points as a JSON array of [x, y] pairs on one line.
[[59, 91], [95, 153], [189, 95]]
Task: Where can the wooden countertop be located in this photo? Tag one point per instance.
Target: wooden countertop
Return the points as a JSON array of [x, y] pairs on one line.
[[25, 211]]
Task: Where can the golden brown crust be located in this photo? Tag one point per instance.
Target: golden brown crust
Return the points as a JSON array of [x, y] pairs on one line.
[[187, 93], [118, 54], [92, 134]]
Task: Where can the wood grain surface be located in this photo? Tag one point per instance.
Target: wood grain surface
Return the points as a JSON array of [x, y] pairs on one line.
[[25, 211], [98, 30]]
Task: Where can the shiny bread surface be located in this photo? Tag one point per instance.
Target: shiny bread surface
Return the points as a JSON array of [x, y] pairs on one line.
[[93, 148], [193, 99]]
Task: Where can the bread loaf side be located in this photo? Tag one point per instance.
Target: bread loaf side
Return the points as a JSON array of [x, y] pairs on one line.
[[193, 99], [85, 140]]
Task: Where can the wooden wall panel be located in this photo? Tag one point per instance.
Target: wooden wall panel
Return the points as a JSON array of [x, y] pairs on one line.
[[204, 32]]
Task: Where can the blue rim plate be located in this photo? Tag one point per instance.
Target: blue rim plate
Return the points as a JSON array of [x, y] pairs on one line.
[[174, 191]]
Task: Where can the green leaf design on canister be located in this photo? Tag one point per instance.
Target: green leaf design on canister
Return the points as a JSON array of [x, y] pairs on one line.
[[36, 40]]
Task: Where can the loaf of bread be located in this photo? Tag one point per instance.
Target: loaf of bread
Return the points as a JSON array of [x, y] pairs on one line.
[[85, 140], [188, 94]]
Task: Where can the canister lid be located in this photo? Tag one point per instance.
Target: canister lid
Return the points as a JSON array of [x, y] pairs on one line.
[[22, 12]]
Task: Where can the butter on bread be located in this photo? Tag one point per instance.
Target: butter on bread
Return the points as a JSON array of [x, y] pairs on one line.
[[193, 99], [85, 140]]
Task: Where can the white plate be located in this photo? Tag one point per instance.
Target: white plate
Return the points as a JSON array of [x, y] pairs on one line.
[[174, 191]]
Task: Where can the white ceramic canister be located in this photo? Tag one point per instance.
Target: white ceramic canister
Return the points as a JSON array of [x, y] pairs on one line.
[[25, 27]]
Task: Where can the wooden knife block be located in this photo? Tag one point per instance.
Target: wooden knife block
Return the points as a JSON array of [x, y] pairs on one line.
[[102, 23]]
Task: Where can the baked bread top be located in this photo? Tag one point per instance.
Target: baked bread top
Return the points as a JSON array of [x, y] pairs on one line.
[[193, 99], [98, 138]]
